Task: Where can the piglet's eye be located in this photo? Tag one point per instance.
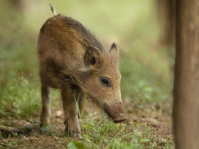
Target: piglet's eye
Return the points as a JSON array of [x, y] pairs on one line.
[[105, 81]]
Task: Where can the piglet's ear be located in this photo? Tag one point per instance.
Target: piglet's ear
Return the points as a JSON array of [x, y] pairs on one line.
[[114, 50], [92, 56]]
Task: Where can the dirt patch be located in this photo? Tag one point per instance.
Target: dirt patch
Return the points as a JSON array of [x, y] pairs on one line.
[[157, 122]]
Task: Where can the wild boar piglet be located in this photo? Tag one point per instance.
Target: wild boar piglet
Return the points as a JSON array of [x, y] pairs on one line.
[[73, 60]]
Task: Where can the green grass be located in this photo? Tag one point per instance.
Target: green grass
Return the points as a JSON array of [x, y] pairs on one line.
[[19, 98], [142, 84], [19, 94], [105, 134]]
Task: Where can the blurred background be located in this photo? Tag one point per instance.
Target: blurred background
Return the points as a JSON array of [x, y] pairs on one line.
[[140, 28]]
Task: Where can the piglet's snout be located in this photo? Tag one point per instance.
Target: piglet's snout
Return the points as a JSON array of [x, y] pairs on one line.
[[120, 118], [115, 111]]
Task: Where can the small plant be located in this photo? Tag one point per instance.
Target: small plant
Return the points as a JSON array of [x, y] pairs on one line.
[[19, 98], [75, 145]]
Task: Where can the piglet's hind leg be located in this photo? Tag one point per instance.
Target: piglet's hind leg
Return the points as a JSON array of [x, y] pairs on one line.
[[46, 109]]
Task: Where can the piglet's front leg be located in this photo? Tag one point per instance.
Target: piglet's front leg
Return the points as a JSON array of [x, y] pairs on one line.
[[71, 113]]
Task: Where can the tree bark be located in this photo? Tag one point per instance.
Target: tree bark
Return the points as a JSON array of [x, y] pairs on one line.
[[186, 84], [166, 16]]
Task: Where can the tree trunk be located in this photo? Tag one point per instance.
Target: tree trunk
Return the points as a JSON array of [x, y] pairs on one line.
[[186, 84], [166, 16], [17, 4]]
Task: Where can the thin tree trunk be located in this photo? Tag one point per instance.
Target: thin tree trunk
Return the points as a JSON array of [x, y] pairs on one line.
[[166, 16], [17, 4], [186, 84]]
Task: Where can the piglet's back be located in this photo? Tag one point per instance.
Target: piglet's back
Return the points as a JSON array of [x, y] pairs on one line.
[[64, 37]]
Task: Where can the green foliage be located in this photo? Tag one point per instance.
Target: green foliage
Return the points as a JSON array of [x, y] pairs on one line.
[[19, 98], [75, 145], [118, 144], [19, 94], [103, 133], [141, 84]]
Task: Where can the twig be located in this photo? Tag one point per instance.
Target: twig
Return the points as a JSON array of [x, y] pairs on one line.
[[8, 129], [21, 130]]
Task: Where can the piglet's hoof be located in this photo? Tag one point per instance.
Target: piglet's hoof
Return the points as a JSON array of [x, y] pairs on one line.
[[45, 129], [72, 134]]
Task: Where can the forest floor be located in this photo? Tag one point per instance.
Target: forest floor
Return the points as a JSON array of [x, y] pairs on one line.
[[146, 127]]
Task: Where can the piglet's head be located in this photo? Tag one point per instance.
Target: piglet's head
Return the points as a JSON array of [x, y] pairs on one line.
[[102, 80]]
